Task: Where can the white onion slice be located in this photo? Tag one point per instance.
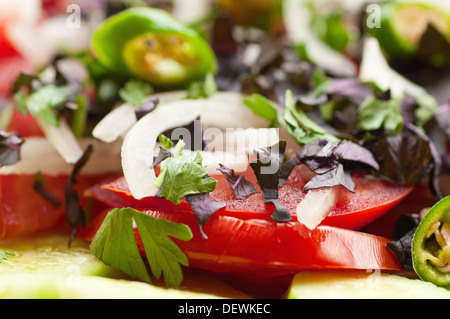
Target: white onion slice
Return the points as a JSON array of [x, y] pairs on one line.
[[117, 122], [39, 155], [375, 68], [62, 139], [316, 205], [223, 110]]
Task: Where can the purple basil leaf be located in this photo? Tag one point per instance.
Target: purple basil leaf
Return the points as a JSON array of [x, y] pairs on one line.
[[350, 151], [9, 148], [334, 177], [267, 169], [75, 214], [240, 186], [147, 107], [203, 207], [352, 89], [162, 155]]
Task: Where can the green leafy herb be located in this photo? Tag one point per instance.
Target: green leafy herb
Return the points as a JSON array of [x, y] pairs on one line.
[[43, 101], [184, 176], [202, 89], [375, 113], [4, 254], [135, 92], [115, 245], [261, 106], [300, 126], [165, 141]]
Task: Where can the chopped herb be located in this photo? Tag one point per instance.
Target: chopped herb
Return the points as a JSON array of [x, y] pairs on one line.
[[332, 162], [38, 186], [135, 92], [165, 141], [147, 107], [263, 107], [180, 176], [75, 214], [10, 144], [4, 254], [204, 208], [375, 113], [114, 244], [300, 126], [202, 89], [183, 176], [267, 169], [240, 186]]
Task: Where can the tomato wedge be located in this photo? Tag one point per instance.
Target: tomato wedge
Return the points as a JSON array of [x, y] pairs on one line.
[[372, 199]]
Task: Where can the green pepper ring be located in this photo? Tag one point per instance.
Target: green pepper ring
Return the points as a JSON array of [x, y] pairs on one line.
[[420, 263], [112, 36]]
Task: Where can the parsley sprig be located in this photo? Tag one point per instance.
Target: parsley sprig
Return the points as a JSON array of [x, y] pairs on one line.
[[115, 245]]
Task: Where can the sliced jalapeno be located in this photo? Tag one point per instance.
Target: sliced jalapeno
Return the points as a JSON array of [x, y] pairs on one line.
[[150, 44], [403, 24], [431, 245]]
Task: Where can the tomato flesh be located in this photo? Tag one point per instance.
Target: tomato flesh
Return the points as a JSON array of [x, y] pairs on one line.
[[25, 212]]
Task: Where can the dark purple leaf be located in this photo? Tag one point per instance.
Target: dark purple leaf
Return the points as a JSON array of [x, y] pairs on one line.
[[162, 155], [336, 176], [10, 144], [349, 88], [267, 169], [146, 108], [75, 214], [203, 207], [350, 151], [240, 186]]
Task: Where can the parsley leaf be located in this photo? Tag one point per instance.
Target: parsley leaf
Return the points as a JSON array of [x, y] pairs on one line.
[[115, 245], [261, 106], [43, 100], [135, 92], [180, 176]]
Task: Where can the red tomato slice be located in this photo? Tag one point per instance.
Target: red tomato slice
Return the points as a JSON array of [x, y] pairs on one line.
[[372, 199], [25, 212], [24, 125], [267, 248]]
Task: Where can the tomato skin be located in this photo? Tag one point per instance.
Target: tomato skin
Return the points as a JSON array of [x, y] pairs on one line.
[[267, 248]]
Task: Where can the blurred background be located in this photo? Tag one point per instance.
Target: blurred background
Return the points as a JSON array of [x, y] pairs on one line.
[[328, 33]]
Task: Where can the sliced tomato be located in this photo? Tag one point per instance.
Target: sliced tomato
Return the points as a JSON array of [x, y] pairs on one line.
[[25, 212], [267, 248], [24, 125], [372, 199]]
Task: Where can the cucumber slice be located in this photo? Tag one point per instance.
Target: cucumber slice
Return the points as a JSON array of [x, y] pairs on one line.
[[50, 254], [31, 286], [361, 285]]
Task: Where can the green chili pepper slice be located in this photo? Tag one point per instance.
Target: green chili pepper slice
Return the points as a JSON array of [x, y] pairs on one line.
[[431, 245], [150, 44], [402, 25]]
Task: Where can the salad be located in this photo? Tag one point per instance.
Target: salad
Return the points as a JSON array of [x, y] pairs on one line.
[[204, 149]]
